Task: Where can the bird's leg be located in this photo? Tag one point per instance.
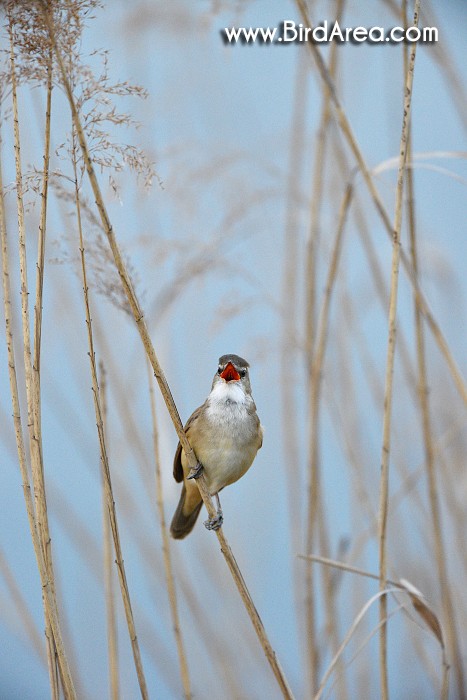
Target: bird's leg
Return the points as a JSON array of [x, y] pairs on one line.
[[215, 523], [196, 472]]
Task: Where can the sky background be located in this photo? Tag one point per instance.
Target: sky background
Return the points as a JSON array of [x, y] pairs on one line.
[[208, 244]]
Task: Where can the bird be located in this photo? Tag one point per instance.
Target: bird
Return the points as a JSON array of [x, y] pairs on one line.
[[225, 434]]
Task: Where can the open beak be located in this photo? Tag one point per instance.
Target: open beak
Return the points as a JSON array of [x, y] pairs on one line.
[[230, 374]]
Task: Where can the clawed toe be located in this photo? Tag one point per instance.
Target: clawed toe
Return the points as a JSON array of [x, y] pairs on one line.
[[214, 523], [196, 472]]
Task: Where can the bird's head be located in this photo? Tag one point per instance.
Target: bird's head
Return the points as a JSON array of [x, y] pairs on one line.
[[233, 369]]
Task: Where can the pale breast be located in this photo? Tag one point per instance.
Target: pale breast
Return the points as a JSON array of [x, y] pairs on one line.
[[227, 441]]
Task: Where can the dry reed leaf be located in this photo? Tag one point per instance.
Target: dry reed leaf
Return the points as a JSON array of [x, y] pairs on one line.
[[423, 609]]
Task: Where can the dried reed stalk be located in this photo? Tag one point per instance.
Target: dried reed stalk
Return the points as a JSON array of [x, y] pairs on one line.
[[163, 385], [112, 639], [34, 446], [19, 433], [405, 260], [36, 386], [388, 389], [103, 450], [41, 253], [33, 397], [432, 476], [169, 576]]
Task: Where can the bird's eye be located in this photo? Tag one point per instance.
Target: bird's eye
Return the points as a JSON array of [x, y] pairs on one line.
[[242, 372], [219, 370]]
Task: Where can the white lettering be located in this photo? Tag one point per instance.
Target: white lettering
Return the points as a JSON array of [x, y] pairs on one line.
[[320, 33], [410, 31], [232, 33], [336, 32], [372, 34], [430, 34], [268, 34], [250, 34], [397, 38], [360, 34], [289, 33]]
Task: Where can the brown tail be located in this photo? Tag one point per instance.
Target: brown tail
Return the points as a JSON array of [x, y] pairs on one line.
[[183, 524]]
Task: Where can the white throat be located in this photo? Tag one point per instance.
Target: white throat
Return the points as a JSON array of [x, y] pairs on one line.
[[227, 393], [228, 404]]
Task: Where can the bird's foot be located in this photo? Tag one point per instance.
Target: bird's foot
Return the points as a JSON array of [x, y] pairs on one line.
[[214, 523], [196, 472]]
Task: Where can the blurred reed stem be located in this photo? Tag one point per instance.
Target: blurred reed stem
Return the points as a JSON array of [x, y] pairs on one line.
[[290, 304], [315, 404], [22, 610], [317, 190], [315, 497], [169, 576]]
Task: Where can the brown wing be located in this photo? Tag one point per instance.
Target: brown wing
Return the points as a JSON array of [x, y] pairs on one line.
[[178, 469]]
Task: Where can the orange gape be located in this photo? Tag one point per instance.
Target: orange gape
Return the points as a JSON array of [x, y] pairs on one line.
[[230, 373]]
